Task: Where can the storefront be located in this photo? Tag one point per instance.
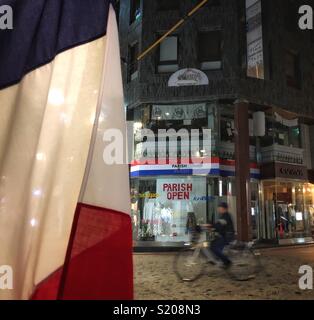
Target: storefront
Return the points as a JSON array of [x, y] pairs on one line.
[[162, 205], [288, 205], [166, 195], [287, 195]]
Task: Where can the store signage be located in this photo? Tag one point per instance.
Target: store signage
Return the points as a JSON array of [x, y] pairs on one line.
[[188, 77], [282, 170], [214, 166], [204, 198], [181, 193], [291, 171], [255, 50], [179, 166], [177, 191]]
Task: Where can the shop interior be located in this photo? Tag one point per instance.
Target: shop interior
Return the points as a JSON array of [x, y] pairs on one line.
[[289, 209]]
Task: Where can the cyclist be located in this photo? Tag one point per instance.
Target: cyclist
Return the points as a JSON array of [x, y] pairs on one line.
[[224, 229]]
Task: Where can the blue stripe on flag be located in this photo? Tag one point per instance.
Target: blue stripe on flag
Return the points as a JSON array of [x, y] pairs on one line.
[[44, 28]]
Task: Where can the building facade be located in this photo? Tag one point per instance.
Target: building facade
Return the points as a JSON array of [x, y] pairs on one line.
[[230, 96]]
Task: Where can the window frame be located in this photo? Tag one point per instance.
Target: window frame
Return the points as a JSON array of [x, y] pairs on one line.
[[169, 63], [209, 63]]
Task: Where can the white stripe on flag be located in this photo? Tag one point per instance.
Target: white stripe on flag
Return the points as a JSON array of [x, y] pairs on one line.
[[106, 185], [45, 131]]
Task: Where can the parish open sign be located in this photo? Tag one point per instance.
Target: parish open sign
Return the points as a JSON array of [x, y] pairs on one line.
[[178, 191]]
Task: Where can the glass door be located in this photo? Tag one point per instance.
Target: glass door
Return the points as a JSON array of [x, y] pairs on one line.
[[286, 215], [221, 190]]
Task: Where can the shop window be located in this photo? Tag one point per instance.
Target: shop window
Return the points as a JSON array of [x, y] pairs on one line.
[[168, 55], [209, 50], [288, 209], [133, 62], [135, 12], [292, 69], [161, 207]]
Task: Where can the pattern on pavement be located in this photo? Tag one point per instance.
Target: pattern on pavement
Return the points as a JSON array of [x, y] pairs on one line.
[[155, 279]]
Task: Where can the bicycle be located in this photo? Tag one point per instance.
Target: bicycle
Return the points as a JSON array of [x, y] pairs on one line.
[[191, 261]]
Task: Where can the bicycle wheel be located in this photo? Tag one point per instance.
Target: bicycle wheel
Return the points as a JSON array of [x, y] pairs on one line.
[[245, 264], [189, 264]]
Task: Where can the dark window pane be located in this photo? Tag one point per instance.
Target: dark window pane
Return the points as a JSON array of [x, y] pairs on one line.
[[209, 49]]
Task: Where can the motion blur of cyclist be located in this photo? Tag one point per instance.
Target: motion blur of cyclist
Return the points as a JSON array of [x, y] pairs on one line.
[[224, 230]]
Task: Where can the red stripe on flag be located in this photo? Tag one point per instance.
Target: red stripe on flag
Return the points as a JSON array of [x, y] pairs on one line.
[[48, 289], [98, 264]]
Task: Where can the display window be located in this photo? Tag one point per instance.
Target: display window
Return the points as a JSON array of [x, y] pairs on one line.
[[162, 207], [166, 208], [288, 209]]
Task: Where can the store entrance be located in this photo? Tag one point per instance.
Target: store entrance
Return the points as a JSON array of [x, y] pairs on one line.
[[288, 209]]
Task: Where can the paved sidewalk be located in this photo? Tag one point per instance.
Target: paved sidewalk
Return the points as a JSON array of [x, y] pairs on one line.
[[155, 279]]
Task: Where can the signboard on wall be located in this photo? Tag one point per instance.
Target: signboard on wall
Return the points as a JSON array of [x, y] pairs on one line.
[[284, 170], [188, 77], [255, 50], [179, 112]]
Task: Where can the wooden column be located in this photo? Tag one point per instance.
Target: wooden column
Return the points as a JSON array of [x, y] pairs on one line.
[[242, 158]]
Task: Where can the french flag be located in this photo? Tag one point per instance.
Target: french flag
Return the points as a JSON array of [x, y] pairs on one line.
[[65, 227]]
